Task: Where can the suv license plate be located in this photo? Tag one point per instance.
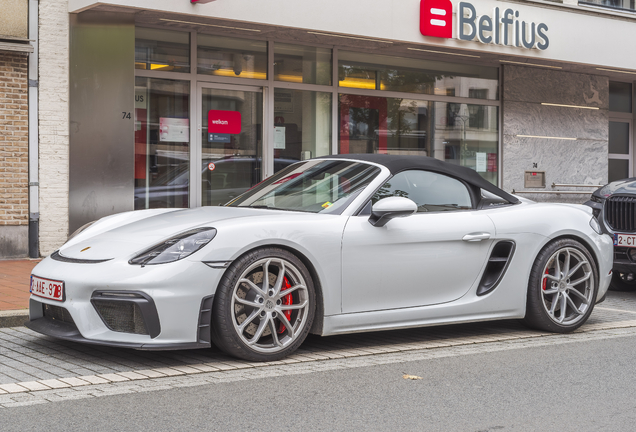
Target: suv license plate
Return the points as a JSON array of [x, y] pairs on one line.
[[47, 288], [625, 240]]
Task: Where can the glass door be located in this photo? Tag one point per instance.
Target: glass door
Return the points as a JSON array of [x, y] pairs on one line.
[[231, 142]]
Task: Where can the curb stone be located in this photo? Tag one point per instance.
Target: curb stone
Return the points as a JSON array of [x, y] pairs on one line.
[[13, 318]]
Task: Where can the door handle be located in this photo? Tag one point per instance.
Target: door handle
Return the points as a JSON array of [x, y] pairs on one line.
[[475, 237]]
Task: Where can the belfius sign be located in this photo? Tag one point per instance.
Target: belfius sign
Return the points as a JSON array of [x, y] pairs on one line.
[[505, 26]]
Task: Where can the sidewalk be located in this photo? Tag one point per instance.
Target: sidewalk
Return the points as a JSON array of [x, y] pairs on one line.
[[14, 283]]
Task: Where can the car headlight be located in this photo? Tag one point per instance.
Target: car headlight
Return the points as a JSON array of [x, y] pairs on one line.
[[175, 248], [596, 226]]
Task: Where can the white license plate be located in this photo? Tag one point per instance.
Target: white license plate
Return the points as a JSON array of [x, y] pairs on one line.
[[625, 240], [47, 288]]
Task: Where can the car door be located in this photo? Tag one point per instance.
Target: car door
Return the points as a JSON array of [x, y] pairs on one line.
[[433, 256]]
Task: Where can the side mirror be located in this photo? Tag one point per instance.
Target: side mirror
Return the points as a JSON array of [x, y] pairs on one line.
[[389, 208]]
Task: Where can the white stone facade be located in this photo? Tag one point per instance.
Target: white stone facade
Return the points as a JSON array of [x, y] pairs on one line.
[[53, 123]]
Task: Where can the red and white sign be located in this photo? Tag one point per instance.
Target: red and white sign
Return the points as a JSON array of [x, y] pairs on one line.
[[436, 18], [211, 166], [47, 288], [224, 122]]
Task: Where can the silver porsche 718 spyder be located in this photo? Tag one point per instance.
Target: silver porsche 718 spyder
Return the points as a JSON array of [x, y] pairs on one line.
[[333, 245]]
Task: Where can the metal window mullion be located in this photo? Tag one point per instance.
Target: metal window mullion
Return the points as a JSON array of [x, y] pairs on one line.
[[195, 135], [335, 102], [268, 116]]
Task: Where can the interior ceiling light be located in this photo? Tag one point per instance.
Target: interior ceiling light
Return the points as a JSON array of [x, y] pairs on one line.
[[530, 64], [547, 137], [618, 71], [207, 25], [349, 37], [443, 52], [570, 106]]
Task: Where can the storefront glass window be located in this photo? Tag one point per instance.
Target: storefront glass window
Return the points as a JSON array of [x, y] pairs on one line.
[[380, 72], [463, 134], [231, 160], [162, 143], [232, 57], [163, 50], [302, 125], [620, 97], [302, 64]]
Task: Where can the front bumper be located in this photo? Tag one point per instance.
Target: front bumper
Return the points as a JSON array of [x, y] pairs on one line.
[[68, 331], [173, 309]]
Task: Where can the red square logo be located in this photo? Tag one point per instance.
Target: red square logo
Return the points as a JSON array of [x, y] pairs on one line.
[[436, 18], [224, 122]]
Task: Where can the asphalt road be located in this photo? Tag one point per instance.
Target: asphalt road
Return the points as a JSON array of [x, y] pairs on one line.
[[578, 383]]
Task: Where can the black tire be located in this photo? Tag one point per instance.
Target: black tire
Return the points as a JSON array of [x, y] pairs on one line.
[[557, 302], [260, 324], [620, 283]]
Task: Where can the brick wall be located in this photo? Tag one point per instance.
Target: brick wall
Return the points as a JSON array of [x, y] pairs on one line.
[[14, 139], [53, 123]]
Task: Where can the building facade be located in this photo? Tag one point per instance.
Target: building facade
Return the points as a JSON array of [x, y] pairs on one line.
[[173, 103], [14, 128]]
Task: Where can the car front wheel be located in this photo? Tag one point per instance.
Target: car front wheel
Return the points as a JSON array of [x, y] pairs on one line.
[[562, 287], [264, 306]]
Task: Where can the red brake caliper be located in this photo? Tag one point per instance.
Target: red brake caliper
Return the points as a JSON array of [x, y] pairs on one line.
[[545, 280], [287, 300]]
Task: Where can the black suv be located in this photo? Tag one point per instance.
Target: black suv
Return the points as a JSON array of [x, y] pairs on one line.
[[614, 205]]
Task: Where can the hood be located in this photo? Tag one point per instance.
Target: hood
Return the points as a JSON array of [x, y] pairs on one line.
[[626, 186], [128, 239]]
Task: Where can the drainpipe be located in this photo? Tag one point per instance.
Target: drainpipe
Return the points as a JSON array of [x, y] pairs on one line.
[[34, 212]]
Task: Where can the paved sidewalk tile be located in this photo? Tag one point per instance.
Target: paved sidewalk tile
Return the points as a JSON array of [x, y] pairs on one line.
[[13, 388], [169, 371], [75, 382], [55, 384], [113, 377], [34, 385], [94, 379]]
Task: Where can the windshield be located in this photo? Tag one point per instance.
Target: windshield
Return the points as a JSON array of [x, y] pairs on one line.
[[316, 186]]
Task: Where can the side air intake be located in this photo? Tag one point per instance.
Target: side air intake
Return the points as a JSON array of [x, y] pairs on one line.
[[496, 267]]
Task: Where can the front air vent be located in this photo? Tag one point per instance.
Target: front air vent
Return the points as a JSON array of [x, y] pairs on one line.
[[56, 313], [121, 316], [127, 312], [496, 267], [620, 213]]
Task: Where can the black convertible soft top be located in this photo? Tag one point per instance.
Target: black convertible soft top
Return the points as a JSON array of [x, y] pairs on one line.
[[398, 163]]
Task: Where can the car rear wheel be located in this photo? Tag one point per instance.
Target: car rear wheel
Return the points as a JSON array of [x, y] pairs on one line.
[[623, 282], [562, 287], [264, 306]]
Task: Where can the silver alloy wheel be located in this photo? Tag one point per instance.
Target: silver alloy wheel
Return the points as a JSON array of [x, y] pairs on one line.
[[270, 305], [567, 286]]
